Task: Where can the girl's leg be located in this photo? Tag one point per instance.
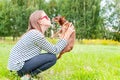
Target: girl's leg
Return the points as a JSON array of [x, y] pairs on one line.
[[42, 68], [38, 64]]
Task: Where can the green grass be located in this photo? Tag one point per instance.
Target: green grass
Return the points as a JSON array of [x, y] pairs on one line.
[[84, 62]]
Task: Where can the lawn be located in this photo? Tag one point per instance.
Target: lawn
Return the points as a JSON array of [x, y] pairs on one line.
[[84, 62]]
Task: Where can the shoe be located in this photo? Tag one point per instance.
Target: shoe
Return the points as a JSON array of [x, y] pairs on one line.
[[25, 77], [33, 79]]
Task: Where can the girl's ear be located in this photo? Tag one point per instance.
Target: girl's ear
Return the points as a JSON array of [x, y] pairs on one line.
[[39, 22]]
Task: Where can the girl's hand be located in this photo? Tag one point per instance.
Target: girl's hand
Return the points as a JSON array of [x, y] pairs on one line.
[[69, 31]]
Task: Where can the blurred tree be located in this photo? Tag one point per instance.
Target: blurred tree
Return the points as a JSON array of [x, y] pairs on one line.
[[110, 12], [14, 16], [116, 34], [85, 15], [4, 20]]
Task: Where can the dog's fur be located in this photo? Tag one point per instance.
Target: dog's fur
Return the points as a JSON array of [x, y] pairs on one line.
[[64, 26]]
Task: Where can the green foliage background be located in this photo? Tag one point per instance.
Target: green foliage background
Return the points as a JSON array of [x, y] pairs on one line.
[[84, 14]]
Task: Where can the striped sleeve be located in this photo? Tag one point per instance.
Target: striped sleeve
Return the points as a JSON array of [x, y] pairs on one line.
[[44, 44]]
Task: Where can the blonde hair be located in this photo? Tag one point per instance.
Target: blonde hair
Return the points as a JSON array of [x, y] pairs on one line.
[[33, 19]]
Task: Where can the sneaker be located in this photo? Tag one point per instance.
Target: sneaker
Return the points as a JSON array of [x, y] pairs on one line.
[[34, 79], [25, 77]]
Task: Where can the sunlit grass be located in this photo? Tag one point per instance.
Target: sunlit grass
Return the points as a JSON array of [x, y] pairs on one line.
[[84, 62], [99, 41]]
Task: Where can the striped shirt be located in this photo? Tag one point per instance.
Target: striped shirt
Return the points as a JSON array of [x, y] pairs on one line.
[[30, 45]]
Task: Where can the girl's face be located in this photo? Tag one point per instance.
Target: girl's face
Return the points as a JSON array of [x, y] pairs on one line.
[[45, 22]]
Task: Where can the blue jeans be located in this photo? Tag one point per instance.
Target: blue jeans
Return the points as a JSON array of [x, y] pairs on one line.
[[38, 64]]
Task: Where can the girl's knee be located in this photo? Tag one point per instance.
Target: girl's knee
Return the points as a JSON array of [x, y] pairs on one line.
[[52, 57]]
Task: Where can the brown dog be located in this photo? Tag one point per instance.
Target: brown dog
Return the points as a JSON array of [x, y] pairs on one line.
[[64, 26]]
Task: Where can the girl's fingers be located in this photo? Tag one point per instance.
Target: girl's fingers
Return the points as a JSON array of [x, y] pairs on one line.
[[71, 25], [71, 28]]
